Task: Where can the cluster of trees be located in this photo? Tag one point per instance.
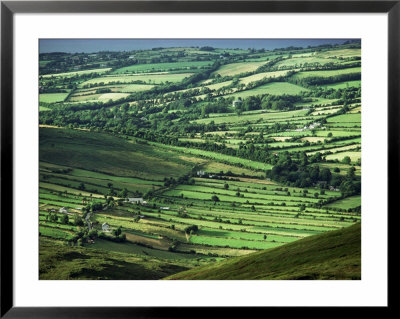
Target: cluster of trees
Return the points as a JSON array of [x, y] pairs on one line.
[[288, 172], [54, 218], [298, 173], [191, 229], [185, 179], [117, 236], [83, 236], [317, 80]]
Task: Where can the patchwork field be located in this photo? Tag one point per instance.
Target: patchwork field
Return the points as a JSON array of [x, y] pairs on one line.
[[158, 67], [154, 78], [52, 97], [276, 88], [238, 68], [158, 163], [323, 74], [71, 74]]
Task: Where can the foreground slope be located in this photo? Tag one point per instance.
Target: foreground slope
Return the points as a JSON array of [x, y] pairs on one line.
[[332, 255], [60, 262]]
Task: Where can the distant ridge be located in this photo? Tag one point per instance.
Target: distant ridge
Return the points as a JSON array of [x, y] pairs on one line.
[[332, 255]]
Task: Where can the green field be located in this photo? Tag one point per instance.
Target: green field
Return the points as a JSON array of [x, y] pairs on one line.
[[270, 116], [155, 78], [308, 259], [70, 74], [100, 152], [275, 88], [196, 162], [156, 67], [238, 68], [323, 74], [342, 85], [52, 97], [350, 202], [345, 118], [262, 75], [296, 62], [135, 88]]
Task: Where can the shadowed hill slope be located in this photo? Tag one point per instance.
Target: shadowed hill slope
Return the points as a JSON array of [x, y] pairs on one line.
[[332, 255]]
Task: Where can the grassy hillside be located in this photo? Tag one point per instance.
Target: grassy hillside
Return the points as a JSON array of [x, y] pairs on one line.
[[108, 154], [332, 255], [61, 262]]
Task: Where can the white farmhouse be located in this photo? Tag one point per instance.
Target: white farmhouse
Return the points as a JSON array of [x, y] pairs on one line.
[[135, 200], [63, 210], [105, 227], [201, 173]]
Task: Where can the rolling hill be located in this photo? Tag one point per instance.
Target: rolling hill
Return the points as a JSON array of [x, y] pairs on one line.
[[332, 255]]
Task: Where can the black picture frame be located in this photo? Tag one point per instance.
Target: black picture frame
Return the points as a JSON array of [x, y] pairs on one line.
[[9, 8]]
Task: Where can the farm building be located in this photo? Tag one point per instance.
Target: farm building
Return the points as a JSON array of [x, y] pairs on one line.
[[63, 210], [164, 208], [138, 200], [201, 173], [105, 227]]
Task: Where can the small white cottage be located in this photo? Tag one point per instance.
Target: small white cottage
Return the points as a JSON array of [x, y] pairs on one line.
[[63, 210], [137, 200], [105, 227]]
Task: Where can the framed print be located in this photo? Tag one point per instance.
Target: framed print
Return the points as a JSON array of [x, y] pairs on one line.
[[160, 155]]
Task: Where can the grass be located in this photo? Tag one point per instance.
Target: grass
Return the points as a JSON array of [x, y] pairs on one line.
[[112, 96], [146, 77], [342, 167], [260, 76], [345, 53], [70, 74], [345, 118], [354, 156], [326, 73], [43, 109], [238, 68], [96, 175], [131, 88], [233, 243], [274, 88], [52, 97], [332, 255], [105, 97], [61, 262], [215, 167], [268, 116], [342, 85], [155, 67], [346, 203], [108, 154], [301, 61], [228, 159], [54, 233]]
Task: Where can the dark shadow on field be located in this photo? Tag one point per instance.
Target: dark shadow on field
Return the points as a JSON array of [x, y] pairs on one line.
[[73, 255], [213, 233], [121, 270]]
